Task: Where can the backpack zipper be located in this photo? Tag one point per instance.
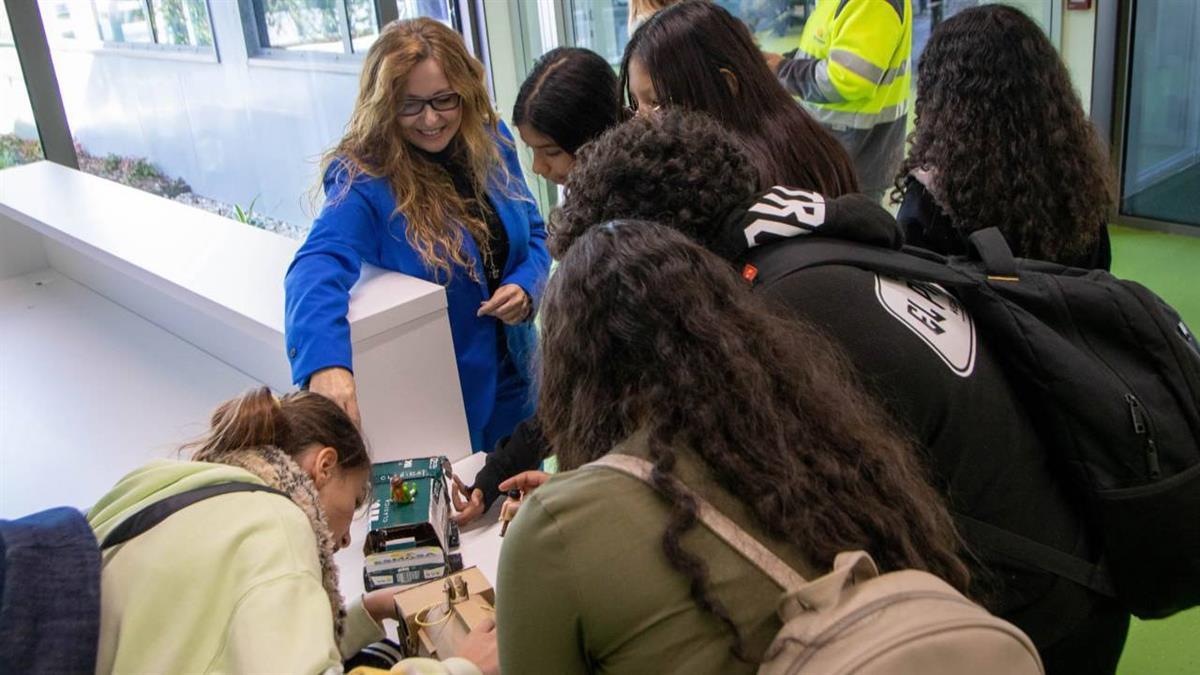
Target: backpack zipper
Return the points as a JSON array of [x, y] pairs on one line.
[[1138, 415]]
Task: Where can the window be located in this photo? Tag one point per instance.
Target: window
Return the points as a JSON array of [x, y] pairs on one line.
[[168, 23], [1161, 163], [304, 24], [182, 22], [234, 138], [19, 142], [62, 23], [336, 26], [124, 21]]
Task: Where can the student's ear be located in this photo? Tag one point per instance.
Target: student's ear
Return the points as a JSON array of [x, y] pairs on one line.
[[324, 466], [730, 80]]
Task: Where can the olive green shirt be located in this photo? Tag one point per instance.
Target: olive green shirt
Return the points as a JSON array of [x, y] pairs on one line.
[[584, 585]]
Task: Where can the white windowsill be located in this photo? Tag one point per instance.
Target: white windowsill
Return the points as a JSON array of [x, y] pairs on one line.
[[139, 51], [341, 66]]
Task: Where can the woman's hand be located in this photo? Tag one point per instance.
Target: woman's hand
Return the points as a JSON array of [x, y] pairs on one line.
[[469, 507], [526, 481], [337, 384], [479, 647], [509, 303], [773, 60], [381, 604]]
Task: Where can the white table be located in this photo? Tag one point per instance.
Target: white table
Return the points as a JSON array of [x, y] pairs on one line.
[[217, 285], [479, 542]]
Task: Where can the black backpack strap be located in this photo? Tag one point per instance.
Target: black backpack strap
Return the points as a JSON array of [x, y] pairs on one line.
[[1092, 576], [158, 511], [769, 263], [990, 247]]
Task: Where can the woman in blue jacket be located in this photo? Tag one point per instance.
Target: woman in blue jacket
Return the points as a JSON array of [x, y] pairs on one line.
[[425, 182]]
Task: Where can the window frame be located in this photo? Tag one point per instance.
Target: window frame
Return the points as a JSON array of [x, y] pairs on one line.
[[155, 46], [259, 49]]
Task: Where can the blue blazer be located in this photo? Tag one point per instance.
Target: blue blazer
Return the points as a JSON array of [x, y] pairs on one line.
[[362, 227]]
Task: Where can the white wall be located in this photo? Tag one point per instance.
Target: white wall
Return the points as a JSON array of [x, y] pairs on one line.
[[1078, 46]]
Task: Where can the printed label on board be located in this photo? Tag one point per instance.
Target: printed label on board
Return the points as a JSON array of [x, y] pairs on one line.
[[933, 315]]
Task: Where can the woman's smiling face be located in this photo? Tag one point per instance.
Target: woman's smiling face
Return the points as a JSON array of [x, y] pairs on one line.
[[430, 130]]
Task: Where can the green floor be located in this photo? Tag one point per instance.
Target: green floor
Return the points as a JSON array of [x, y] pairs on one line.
[[1170, 266]]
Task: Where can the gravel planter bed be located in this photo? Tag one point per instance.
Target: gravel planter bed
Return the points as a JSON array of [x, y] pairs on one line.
[[256, 219], [139, 173]]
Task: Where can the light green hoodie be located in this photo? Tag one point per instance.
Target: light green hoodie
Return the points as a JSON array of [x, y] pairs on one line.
[[229, 584]]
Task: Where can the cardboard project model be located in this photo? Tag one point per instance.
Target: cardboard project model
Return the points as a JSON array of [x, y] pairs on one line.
[[411, 534], [436, 616]]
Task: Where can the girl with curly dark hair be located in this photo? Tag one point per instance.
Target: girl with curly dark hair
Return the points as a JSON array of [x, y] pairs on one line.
[[664, 181], [1001, 140], [972, 428], [654, 347], [697, 56]]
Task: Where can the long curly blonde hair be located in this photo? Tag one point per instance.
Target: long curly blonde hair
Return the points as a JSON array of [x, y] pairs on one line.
[[374, 143]]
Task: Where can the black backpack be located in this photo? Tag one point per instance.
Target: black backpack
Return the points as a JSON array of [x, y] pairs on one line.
[[1111, 376]]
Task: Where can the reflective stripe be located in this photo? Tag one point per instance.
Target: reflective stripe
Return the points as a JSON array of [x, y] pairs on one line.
[[857, 120], [828, 91], [865, 69], [893, 73], [801, 53]]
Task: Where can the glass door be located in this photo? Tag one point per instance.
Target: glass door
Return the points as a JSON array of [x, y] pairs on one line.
[[1160, 178]]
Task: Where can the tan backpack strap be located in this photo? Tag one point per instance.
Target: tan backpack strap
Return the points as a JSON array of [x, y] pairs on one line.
[[726, 529]]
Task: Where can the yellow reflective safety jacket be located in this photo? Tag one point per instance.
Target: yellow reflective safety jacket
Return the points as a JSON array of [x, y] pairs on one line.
[[853, 73]]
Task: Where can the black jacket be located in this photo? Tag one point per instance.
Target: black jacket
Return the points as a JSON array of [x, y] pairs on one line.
[[951, 394], [523, 451]]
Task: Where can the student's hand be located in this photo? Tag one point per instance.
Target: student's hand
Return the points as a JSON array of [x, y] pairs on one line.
[[526, 481], [773, 60], [509, 303], [381, 604], [469, 507], [337, 384], [479, 647]]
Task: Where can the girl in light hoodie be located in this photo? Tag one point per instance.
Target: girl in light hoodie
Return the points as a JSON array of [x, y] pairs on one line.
[[246, 581]]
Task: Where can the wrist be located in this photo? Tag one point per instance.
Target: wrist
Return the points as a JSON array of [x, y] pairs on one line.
[[380, 605]]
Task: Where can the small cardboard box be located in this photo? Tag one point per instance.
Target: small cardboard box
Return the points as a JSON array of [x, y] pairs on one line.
[[408, 541], [433, 625]]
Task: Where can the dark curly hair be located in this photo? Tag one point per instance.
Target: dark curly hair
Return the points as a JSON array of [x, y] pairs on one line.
[[644, 330], [1001, 127], [677, 167], [688, 49], [571, 95]]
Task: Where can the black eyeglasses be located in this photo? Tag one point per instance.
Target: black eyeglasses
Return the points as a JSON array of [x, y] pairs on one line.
[[415, 106]]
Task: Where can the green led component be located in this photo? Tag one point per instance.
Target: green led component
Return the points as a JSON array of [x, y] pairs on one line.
[[403, 491]]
